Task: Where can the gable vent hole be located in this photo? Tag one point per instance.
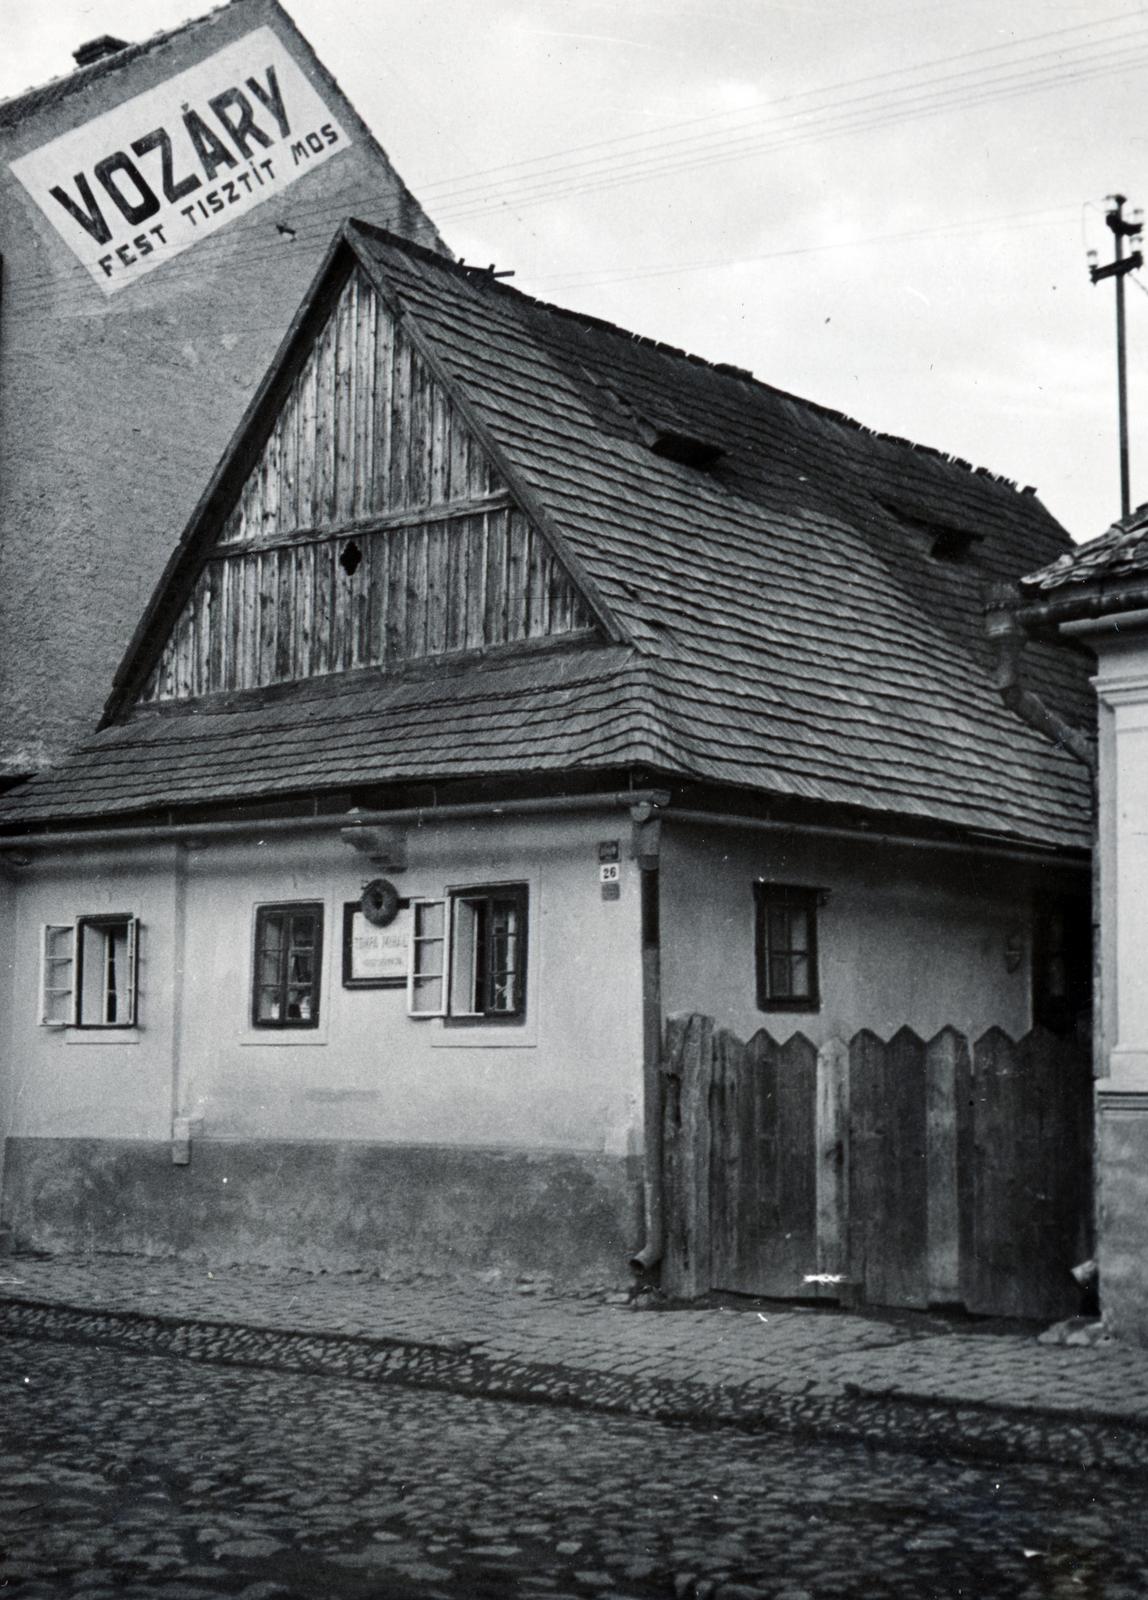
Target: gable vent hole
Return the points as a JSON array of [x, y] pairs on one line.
[[351, 559]]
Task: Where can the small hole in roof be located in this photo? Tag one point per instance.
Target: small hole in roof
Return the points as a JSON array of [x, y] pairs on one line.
[[691, 451], [350, 558]]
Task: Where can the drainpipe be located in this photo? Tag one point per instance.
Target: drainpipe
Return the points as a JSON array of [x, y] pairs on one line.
[[1007, 637], [646, 844], [1005, 626]]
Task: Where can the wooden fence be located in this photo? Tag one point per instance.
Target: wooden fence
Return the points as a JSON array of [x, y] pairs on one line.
[[906, 1173]]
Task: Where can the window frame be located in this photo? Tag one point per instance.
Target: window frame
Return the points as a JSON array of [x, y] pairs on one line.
[[516, 891], [103, 921], [284, 1024], [791, 896]]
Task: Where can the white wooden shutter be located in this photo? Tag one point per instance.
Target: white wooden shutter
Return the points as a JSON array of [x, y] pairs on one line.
[[133, 971], [57, 976], [428, 973]]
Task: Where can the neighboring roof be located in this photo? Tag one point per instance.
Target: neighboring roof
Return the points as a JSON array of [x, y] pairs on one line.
[[790, 629], [1100, 570], [22, 106]]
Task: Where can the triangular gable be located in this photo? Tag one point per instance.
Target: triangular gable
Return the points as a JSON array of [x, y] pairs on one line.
[[373, 526]]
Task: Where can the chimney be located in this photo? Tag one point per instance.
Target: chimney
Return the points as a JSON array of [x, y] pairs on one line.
[[97, 49]]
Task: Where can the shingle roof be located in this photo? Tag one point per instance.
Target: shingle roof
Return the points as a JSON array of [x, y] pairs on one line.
[[791, 631], [545, 711], [1117, 555]]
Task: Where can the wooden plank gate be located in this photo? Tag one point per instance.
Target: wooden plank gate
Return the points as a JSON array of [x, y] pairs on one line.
[[903, 1173]]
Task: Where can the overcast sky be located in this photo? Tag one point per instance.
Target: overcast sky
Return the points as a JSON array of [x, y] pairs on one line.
[[881, 205]]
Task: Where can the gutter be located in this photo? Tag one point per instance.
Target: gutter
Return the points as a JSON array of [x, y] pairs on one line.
[[344, 821], [1006, 627], [1110, 601]]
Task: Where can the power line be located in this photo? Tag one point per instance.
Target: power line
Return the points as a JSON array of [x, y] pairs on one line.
[[1046, 216], [833, 123], [1006, 222], [832, 126], [505, 168]]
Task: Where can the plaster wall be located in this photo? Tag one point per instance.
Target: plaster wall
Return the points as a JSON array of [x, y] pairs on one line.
[[1122, 685], [1123, 1219], [376, 1137], [1122, 1094], [568, 1076], [114, 410], [907, 937]]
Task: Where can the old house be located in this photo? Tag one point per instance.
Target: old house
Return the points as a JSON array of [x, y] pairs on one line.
[[1094, 598], [162, 209], [517, 683]]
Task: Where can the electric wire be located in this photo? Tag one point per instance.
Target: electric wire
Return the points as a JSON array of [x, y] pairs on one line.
[[27, 290], [834, 124], [501, 170]]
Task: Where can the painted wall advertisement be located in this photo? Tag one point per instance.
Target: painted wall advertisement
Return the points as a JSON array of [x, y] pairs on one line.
[[139, 185]]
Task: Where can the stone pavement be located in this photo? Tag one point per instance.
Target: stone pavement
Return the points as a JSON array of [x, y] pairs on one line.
[[914, 1381]]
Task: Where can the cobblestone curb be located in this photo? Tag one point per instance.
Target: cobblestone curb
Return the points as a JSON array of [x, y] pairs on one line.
[[917, 1424]]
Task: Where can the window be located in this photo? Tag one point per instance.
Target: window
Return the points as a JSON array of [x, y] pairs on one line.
[[468, 955], [288, 961], [89, 971], [1062, 964], [786, 939]]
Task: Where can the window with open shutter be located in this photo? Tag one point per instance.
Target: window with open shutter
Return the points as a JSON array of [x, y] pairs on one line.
[[428, 971], [89, 973]]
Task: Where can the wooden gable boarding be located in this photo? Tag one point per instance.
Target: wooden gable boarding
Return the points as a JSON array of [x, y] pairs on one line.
[[373, 530]]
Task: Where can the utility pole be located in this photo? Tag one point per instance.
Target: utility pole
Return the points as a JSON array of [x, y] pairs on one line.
[[1119, 268]]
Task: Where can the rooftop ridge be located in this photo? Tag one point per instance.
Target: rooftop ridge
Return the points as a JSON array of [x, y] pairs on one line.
[[584, 319], [14, 106]]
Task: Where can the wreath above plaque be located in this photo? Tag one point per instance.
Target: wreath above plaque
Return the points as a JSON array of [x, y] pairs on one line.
[[380, 902]]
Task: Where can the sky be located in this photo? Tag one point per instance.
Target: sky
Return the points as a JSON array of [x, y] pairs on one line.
[[879, 205]]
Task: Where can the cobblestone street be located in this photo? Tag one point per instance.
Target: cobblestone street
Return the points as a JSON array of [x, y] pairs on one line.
[[125, 1475]]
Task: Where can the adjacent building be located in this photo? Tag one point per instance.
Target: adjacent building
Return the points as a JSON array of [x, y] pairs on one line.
[[1095, 599], [162, 210]]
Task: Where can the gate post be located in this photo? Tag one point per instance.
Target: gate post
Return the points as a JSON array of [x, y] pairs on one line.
[[946, 1085], [832, 1157]]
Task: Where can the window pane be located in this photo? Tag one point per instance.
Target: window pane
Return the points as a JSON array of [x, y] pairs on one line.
[[466, 958], [267, 1008], [777, 928], [428, 957], [57, 1005], [303, 930], [430, 917], [799, 930], [799, 977], [298, 1005], [58, 944], [779, 979], [427, 993]]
